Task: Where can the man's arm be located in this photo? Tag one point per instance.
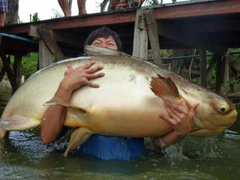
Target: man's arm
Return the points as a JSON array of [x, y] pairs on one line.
[[53, 118]]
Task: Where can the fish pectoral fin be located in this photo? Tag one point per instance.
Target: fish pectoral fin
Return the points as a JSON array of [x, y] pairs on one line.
[[56, 101], [197, 121], [80, 113], [71, 108], [164, 88], [78, 137], [18, 122], [3, 133]]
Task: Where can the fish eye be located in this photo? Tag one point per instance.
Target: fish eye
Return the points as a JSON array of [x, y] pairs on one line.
[[222, 108]]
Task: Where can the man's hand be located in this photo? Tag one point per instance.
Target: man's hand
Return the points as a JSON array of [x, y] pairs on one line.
[[182, 121], [76, 78]]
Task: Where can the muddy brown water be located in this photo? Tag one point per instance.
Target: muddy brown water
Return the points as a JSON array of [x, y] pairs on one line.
[[23, 155]]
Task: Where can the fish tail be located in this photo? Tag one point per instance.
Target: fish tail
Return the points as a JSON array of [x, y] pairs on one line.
[[164, 88]]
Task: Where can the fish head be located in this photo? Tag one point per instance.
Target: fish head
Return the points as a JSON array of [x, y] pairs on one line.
[[214, 115]]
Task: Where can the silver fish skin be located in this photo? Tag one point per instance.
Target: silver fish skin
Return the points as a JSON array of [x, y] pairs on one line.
[[124, 105]]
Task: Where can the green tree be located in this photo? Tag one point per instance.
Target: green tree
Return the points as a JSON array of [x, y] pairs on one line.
[[35, 18]]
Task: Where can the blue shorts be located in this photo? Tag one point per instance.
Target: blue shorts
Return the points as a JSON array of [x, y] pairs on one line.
[[4, 6], [112, 148]]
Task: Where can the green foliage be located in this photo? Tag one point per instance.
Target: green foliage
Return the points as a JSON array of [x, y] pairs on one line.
[[233, 81], [35, 18], [226, 85], [235, 56], [196, 80], [213, 74], [237, 105], [196, 66], [29, 65]]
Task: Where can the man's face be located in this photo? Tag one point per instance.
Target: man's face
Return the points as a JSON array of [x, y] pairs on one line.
[[108, 42]]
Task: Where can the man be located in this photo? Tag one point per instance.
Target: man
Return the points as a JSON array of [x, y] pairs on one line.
[[66, 10], [3, 11], [107, 147]]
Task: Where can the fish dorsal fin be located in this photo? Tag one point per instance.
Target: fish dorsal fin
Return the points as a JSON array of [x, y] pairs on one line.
[[56, 101], [164, 88]]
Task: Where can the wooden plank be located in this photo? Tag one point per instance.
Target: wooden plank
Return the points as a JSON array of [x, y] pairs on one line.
[[45, 55], [226, 72], [50, 42], [222, 71], [217, 11], [187, 10], [153, 36], [176, 66], [17, 68], [219, 75], [67, 38], [206, 11], [211, 66], [140, 40], [2, 73], [203, 64], [8, 70], [198, 9]]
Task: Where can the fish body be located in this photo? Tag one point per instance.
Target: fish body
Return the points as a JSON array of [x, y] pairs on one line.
[[125, 104]]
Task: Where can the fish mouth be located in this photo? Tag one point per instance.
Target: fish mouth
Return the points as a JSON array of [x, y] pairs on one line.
[[214, 126], [207, 132]]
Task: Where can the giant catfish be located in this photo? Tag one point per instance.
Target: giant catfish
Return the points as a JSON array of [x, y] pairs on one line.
[[128, 102]]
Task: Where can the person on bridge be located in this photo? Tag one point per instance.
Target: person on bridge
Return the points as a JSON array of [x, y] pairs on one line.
[[66, 9], [100, 146], [3, 11]]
